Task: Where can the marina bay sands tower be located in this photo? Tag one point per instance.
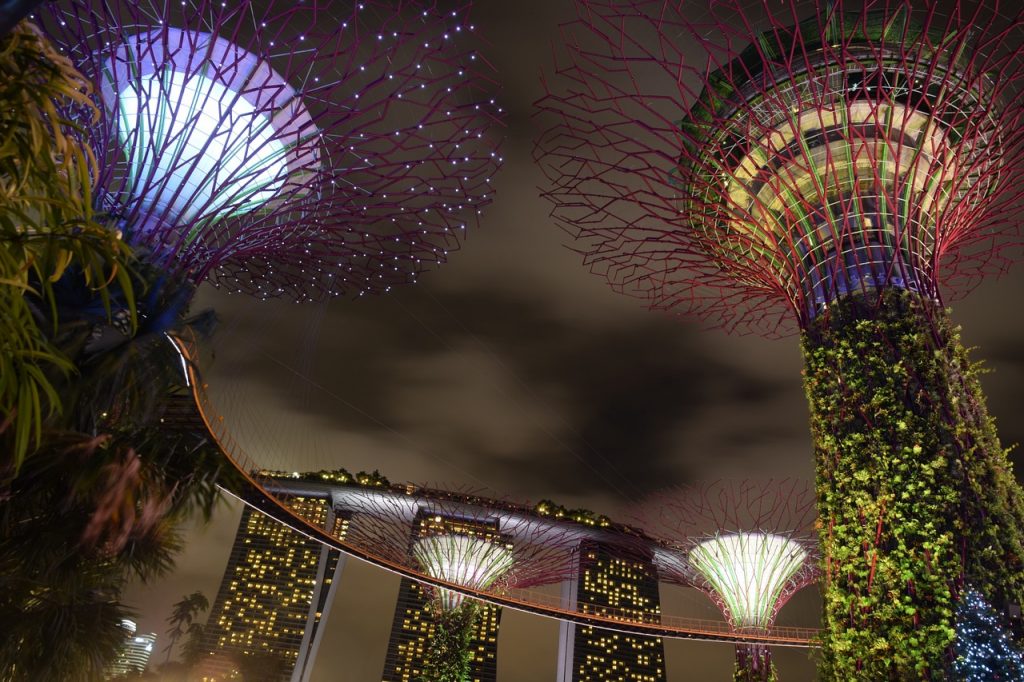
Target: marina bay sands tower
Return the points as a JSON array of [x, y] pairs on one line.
[[276, 592], [610, 579], [278, 584]]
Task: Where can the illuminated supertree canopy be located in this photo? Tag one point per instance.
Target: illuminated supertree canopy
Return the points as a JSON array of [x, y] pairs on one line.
[[800, 153], [294, 149], [838, 169], [748, 546], [464, 540], [476, 561], [749, 571]]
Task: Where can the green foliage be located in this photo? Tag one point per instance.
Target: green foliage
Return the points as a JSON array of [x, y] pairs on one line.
[[86, 513], [582, 516], [448, 652], [68, 632], [342, 476], [915, 493], [93, 488], [47, 229], [754, 664], [192, 647]]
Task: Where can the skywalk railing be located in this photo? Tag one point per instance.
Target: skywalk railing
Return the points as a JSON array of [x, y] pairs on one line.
[[527, 600]]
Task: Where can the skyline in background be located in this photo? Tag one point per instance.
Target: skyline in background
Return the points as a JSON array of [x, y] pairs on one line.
[[514, 370]]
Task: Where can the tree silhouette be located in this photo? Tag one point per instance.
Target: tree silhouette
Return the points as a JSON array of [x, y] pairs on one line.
[[183, 617]]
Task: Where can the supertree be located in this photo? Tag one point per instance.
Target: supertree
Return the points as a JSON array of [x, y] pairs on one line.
[[467, 541], [807, 165], [276, 148], [465, 553], [293, 149], [748, 546]]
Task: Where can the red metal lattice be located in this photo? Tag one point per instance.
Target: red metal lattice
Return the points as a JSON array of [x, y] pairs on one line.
[[686, 518], [378, 112], [749, 163]]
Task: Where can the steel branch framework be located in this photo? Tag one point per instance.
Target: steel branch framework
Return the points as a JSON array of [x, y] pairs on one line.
[[748, 546], [750, 165], [462, 538], [477, 562], [282, 148]]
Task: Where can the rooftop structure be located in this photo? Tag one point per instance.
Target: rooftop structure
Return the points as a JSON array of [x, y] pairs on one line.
[[285, 149], [835, 170]]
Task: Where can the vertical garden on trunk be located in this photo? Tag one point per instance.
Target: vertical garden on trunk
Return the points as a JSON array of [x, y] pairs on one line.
[[916, 495]]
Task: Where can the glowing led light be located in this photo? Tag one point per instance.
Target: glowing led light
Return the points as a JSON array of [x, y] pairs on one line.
[[748, 571], [469, 561], [209, 131]]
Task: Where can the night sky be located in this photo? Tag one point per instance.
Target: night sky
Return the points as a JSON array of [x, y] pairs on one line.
[[514, 370]]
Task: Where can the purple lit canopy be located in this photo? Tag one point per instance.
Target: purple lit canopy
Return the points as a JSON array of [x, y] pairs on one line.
[[281, 148]]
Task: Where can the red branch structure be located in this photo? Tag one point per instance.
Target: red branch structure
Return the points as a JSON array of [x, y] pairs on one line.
[[838, 170], [748, 546], [532, 546], [278, 148], [750, 163], [687, 518]]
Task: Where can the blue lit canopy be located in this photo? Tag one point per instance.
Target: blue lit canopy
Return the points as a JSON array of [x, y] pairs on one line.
[[282, 148], [209, 130]]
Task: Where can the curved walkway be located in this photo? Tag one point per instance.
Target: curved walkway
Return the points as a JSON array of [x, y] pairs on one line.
[[530, 601]]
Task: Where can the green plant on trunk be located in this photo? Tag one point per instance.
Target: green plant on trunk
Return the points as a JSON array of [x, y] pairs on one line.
[[916, 496], [448, 654], [754, 664]]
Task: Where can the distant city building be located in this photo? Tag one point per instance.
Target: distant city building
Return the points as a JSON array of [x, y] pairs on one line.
[[611, 582], [277, 588], [413, 625], [136, 651]]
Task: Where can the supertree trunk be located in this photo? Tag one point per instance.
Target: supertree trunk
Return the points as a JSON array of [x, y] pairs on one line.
[[837, 172], [916, 497], [754, 664], [448, 652]]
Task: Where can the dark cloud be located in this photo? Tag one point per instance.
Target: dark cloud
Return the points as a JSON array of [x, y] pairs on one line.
[[613, 398]]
